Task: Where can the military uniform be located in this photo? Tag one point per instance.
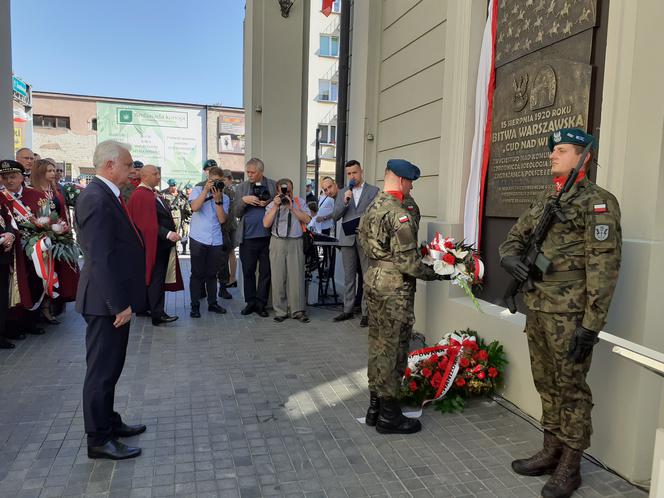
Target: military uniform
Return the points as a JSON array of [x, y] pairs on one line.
[[585, 252], [388, 236]]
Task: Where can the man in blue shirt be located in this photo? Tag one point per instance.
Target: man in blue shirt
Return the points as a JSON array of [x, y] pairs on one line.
[[210, 207]]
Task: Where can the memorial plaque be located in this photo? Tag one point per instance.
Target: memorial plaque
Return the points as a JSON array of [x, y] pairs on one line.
[[525, 26], [532, 99]]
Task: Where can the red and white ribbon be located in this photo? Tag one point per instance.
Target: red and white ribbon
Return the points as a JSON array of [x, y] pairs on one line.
[[44, 264]]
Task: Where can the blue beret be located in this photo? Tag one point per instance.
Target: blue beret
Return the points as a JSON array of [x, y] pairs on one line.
[[188, 185], [138, 164], [210, 163], [575, 136], [404, 169], [171, 182]]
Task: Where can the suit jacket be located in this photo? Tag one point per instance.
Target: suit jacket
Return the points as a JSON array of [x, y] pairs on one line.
[[239, 207], [351, 211], [114, 261]]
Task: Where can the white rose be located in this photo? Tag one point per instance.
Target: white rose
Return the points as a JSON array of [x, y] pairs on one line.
[[43, 220], [57, 228]]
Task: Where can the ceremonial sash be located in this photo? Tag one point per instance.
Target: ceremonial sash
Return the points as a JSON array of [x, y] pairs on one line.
[[19, 210]]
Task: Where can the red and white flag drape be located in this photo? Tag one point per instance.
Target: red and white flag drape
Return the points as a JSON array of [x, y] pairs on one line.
[[472, 220], [327, 7]]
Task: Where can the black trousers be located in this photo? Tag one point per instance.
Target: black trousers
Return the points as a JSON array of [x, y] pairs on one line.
[[255, 252], [106, 349], [156, 292], [204, 267], [224, 273]]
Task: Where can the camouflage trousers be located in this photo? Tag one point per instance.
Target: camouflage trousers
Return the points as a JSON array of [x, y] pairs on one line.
[[390, 308], [561, 383]]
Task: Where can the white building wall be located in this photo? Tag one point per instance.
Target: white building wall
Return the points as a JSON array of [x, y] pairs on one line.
[[321, 67]]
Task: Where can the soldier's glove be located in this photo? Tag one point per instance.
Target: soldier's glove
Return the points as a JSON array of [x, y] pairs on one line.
[[443, 277], [515, 267], [582, 344]]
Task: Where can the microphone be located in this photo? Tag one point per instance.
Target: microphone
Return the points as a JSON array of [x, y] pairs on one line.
[[351, 183]]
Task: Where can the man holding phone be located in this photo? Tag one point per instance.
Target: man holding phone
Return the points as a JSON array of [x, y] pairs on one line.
[[210, 208]]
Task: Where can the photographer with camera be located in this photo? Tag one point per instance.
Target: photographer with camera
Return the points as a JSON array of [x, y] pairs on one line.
[[251, 197], [210, 207], [286, 215]]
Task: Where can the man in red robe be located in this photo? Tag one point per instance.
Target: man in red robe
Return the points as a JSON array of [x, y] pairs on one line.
[[151, 214], [22, 202]]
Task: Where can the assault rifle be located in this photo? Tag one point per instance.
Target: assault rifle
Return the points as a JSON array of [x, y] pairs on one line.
[[537, 263]]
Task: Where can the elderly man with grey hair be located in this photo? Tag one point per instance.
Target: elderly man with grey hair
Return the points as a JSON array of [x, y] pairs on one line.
[[111, 288], [251, 197]]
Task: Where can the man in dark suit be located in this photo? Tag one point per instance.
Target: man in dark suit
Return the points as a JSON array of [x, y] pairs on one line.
[[111, 287], [349, 205], [151, 214]]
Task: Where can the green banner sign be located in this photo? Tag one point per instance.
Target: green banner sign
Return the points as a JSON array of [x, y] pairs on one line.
[[168, 137]]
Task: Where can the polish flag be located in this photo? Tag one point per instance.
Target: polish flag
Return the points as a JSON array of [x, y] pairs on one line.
[[479, 161], [327, 7]]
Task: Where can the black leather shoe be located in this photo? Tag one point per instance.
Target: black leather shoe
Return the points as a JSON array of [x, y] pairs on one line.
[[5, 344], [163, 319], [280, 319], [113, 450], [343, 316], [36, 331], [215, 308], [234, 284], [224, 293], [262, 312], [195, 311], [364, 321], [129, 430], [248, 309]]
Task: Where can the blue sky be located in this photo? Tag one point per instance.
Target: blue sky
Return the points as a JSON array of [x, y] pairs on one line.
[[170, 50]]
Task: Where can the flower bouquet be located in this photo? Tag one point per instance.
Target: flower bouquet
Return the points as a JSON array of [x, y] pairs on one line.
[[50, 233], [457, 260], [477, 371], [72, 192]]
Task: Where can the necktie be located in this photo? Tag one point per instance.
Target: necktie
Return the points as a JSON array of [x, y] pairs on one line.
[[124, 206]]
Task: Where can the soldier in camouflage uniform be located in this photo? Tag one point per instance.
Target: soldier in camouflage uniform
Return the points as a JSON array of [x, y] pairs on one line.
[[178, 202], [566, 309], [388, 236], [186, 218]]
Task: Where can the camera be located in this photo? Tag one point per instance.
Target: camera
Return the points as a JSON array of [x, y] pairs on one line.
[[284, 193], [261, 191], [219, 185]]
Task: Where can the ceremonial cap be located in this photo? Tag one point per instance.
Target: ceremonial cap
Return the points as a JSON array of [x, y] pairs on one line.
[[171, 182], [11, 166], [188, 185], [404, 169], [210, 163], [574, 136], [138, 165]]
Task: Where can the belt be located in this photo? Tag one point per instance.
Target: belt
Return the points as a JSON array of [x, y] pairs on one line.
[[379, 263], [564, 276]]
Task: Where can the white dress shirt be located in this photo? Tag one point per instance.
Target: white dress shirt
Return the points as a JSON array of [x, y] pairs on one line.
[[114, 188]]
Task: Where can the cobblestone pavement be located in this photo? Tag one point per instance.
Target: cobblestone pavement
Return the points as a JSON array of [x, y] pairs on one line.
[[242, 406]]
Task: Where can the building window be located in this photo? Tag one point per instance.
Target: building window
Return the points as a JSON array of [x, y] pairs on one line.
[[328, 90], [51, 121], [93, 124], [329, 46], [328, 134]]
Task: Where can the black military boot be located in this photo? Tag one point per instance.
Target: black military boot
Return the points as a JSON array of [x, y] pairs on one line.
[[567, 477], [374, 407], [392, 421], [544, 461]]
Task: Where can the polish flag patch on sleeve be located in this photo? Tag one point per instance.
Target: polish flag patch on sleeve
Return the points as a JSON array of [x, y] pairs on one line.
[[403, 219], [599, 208]]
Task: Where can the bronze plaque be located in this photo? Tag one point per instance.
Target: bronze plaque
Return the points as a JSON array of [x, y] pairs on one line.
[[525, 26], [533, 98]]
